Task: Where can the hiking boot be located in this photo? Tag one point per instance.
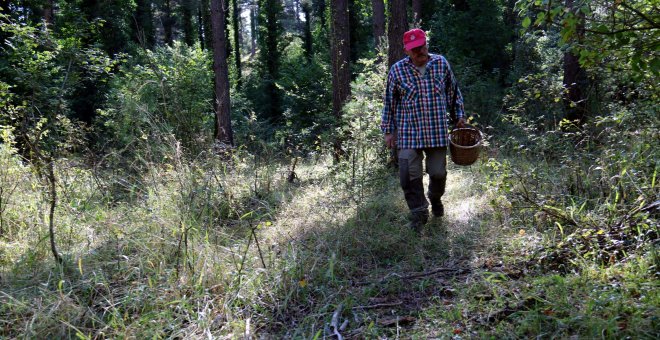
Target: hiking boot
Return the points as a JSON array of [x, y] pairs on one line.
[[418, 220], [438, 209]]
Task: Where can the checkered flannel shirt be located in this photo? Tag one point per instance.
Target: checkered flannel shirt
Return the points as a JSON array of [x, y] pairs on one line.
[[416, 106]]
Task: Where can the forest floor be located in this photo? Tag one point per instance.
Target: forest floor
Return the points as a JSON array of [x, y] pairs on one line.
[[307, 260]]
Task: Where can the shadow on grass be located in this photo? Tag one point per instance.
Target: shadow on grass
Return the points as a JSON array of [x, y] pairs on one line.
[[365, 259]]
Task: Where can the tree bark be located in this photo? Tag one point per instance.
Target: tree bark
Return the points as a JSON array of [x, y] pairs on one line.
[[143, 25], [223, 130], [417, 12], [206, 23], [168, 22], [253, 29], [307, 30], [52, 186], [341, 75], [187, 22], [271, 12], [49, 15], [378, 20], [397, 25], [237, 41], [575, 79]]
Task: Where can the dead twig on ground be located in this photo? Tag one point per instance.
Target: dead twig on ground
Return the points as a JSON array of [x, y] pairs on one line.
[[436, 271]]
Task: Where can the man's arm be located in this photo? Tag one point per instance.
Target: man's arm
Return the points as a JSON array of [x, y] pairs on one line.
[[391, 100]]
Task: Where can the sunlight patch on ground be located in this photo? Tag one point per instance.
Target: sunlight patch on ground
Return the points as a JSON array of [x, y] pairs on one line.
[[463, 201]]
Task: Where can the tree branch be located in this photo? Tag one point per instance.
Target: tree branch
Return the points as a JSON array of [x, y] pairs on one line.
[[642, 15]]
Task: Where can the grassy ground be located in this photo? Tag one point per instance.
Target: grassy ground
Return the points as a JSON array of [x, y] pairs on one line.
[[205, 251]]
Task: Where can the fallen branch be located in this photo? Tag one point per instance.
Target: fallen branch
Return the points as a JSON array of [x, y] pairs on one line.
[[379, 305], [334, 324], [418, 275]]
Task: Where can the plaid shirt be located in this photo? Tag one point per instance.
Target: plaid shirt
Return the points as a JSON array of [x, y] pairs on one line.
[[416, 106]]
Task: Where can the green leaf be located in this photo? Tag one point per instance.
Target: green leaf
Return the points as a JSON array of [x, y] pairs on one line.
[[526, 22]]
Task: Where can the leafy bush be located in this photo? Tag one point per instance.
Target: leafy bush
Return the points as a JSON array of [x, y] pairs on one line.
[[166, 91]]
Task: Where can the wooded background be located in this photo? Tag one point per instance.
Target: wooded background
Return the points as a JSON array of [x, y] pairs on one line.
[[150, 143]]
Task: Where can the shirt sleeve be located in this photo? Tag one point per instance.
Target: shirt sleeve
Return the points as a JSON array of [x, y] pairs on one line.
[[391, 100], [454, 96]]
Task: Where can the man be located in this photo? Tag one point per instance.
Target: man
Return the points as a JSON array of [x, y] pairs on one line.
[[421, 90]]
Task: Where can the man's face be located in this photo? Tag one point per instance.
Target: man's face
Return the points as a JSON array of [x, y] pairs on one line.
[[419, 55]]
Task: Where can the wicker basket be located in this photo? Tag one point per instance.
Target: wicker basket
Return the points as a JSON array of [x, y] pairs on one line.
[[464, 145]]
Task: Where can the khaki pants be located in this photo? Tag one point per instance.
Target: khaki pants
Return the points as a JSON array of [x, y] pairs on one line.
[[411, 176]]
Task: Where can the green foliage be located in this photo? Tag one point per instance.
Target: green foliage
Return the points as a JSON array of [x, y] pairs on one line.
[[477, 33], [627, 32], [166, 91], [104, 24], [41, 73], [594, 185]]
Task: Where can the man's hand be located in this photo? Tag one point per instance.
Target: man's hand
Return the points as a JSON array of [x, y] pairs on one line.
[[390, 140], [461, 123]]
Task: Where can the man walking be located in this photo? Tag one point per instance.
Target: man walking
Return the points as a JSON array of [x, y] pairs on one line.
[[421, 90]]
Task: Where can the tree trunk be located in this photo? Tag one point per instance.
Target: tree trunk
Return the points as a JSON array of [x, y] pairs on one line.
[[417, 12], [206, 23], [378, 20], [143, 25], [270, 54], [237, 40], [341, 75], [48, 12], [200, 27], [168, 22], [187, 22], [223, 131], [397, 25], [575, 80], [253, 29], [227, 33], [307, 30], [52, 186]]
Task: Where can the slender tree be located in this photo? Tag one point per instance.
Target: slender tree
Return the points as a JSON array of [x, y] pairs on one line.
[[237, 41], [417, 11], [397, 25], [270, 33], [307, 29], [341, 74], [223, 130], [143, 24], [378, 20], [254, 31], [575, 79], [168, 22], [49, 13], [205, 23], [186, 9]]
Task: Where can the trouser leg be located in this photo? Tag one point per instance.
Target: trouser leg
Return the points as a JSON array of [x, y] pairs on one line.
[[411, 178], [436, 167]]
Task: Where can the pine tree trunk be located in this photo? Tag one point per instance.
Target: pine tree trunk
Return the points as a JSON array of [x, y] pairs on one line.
[[237, 40], [48, 12], [341, 75], [168, 22], [417, 11], [378, 18], [206, 23], [307, 30], [253, 30], [143, 25], [575, 79], [223, 130], [397, 25], [187, 22]]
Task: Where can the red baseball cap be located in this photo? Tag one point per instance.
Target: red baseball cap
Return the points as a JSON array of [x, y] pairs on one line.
[[414, 38]]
